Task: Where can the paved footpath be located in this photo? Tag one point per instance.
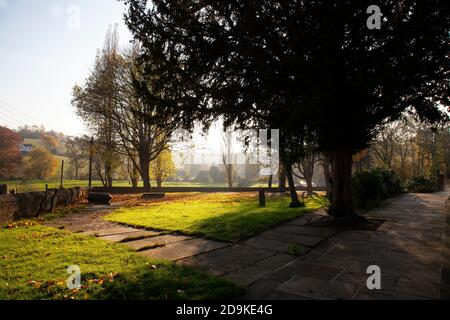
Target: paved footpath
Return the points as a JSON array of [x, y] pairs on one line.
[[308, 258]]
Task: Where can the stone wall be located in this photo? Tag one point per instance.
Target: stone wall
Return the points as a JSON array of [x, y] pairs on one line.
[[32, 204]]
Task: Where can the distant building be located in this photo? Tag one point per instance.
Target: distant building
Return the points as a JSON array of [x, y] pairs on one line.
[[25, 147]]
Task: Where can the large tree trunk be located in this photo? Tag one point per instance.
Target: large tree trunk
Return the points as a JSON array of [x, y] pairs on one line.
[[108, 175], [134, 176], [282, 177], [327, 175], [229, 174], [341, 176], [309, 186], [159, 182], [308, 170], [76, 165], [145, 172], [294, 197]]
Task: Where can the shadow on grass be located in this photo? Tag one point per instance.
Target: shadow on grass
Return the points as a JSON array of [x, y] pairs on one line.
[[246, 221], [169, 283]]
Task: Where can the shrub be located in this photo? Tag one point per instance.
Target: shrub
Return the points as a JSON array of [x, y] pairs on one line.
[[421, 184], [392, 182], [370, 187]]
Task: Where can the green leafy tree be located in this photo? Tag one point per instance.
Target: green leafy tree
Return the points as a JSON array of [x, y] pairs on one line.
[[39, 164], [162, 167]]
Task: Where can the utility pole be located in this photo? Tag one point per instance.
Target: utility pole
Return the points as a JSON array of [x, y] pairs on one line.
[[62, 173], [91, 151]]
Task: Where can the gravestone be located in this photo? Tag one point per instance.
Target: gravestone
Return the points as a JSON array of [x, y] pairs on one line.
[[99, 198], [153, 195]]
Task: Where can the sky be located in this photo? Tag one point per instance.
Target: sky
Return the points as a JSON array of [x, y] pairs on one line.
[[46, 47]]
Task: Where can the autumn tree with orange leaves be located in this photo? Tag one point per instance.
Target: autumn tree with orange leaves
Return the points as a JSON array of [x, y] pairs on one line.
[[10, 156]]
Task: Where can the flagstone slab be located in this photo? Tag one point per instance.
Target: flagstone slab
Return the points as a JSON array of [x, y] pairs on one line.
[[249, 274], [318, 289], [356, 249], [267, 244], [305, 230], [366, 294], [227, 259], [309, 270], [261, 289], [111, 231], [304, 220], [184, 249], [299, 239], [157, 241], [278, 295], [347, 262], [418, 287], [120, 237]]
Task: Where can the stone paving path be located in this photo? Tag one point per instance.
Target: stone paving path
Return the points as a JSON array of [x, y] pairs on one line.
[[304, 259]]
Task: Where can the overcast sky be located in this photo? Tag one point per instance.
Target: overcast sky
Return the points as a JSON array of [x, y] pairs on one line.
[[46, 47]]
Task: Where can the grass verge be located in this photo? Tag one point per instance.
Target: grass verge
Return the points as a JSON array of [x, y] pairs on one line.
[[34, 261]]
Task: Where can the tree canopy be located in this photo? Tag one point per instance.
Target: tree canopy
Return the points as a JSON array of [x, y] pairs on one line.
[[303, 66]]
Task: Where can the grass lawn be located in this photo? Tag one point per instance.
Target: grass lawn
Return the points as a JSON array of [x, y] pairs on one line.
[[228, 217], [34, 260]]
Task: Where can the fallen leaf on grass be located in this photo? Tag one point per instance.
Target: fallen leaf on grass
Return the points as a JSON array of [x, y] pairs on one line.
[[36, 284]]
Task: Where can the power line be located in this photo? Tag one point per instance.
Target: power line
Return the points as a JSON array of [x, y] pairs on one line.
[[22, 113], [16, 115], [14, 108], [8, 122], [20, 117], [13, 117]]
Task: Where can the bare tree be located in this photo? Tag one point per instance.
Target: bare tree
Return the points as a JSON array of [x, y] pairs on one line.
[[305, 168], [227, 156], [77, 149], [122, 108], [95, 100], [143, 129]]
